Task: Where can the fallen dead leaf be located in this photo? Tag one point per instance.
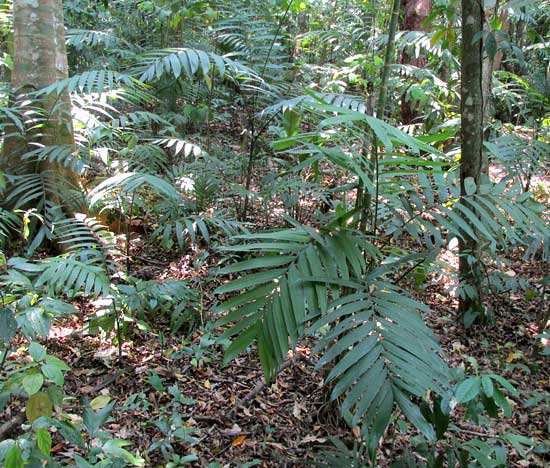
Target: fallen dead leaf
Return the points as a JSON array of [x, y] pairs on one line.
[[235, 430], [298, 409], [278, 446], [312, 439], [238, 441]]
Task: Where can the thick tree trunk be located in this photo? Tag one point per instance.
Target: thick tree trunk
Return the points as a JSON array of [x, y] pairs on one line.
[[40, 59], [415, 14], [472, 146]]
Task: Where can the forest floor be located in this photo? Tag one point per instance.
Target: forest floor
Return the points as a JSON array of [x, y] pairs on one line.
[[231, 418]]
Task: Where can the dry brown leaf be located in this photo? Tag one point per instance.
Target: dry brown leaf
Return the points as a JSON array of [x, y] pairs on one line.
[[235, 429], [238, 441], [298, 409], [312, 439]]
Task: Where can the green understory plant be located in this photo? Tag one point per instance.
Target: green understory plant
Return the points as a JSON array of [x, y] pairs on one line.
[[474, 398], [344, 286]]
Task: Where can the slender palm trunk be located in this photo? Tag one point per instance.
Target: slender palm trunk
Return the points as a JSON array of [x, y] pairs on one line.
[[472, 147]]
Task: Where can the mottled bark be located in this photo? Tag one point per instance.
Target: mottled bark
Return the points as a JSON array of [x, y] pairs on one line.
[[472, 144], [40, 59], [415, 14]]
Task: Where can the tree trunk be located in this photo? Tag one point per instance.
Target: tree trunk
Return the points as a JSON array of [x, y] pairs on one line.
[[472, 147], [40, 59], [490, 66], [415, 14]]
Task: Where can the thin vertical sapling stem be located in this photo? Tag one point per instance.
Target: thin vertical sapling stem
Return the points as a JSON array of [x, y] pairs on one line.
[[118, 332], [4, 356], [6, 346], [366, 199], [255, 132], [127, 227], [382, 103]]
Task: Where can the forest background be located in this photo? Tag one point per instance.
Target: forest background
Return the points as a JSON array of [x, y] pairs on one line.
[[274, 233]]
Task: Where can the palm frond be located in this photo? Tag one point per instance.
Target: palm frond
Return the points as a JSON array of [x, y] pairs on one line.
[[64, 156], [428, 207], [345, 101], [92, 81], [382, 353], [139, 119], [341, 456], [82, 38], [35, 189], [189, 63], [179, 229], [179, 146], [12, 116], [154, 297], [9, 224], [69, 276], [130, 182], [520, 157], [273, 308], [85, 236], [147, 158]]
